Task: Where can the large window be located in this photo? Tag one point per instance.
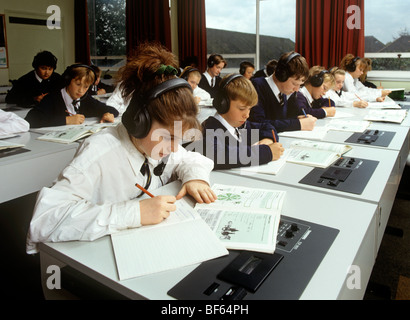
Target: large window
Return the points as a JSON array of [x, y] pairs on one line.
[[252, 30], [107, 33], [387, 31]]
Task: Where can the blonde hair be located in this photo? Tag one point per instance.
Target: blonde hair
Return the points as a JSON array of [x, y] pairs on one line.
[[241, 89], [327, 77]]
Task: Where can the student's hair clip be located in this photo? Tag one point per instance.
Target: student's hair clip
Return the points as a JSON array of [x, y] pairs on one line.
[[167, 70]]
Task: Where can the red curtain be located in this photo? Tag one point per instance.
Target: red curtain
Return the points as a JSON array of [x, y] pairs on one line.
[[192, 31], [82, 42], [327, 30], [147, 21]]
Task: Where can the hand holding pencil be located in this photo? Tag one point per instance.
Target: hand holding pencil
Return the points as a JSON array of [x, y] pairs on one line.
[[155, 209]]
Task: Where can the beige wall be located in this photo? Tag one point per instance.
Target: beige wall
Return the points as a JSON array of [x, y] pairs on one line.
[[23, 49]]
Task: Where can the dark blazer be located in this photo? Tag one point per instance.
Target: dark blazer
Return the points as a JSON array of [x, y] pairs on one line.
[[316, 108], [227, 152], [213, 91], [269, 108], [27, 87], [52, 110]]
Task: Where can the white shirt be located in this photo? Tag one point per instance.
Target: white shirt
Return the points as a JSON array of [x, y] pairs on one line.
[[273, 87], [11, 123], [117, 101], [346, 99], [356, 87], [69, 101], [202, 94], [209, 79], [96, 195], [228, 127]]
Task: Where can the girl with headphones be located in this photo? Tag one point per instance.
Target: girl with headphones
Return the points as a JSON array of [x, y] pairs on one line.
[[97, 193], [354, 67], [310, 96], [71, 104]]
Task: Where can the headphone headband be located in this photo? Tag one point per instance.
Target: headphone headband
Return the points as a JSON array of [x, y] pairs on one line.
[[221, 102], [136, 118], [282, 69]]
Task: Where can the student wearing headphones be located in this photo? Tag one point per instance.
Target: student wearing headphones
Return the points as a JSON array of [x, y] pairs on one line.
[[277, 101], [211, 77], [310, 96], [232, 141], [72, 104], [246, 69], [340, 97], [31, 88], [96, 195], [354, 67], [193, 77]]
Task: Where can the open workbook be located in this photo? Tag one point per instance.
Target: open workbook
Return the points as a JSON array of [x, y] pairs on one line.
[[244, 218], [316, 154], [9, 145], [74, 133], [394, 116], [181, 240]]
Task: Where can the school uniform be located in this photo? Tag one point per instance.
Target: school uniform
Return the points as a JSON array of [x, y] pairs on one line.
[[55, 107], [356, 87], [95, 194], [231, 147], [341, 98], [312, 106], [269, 108], [31, 85], [209, 84]]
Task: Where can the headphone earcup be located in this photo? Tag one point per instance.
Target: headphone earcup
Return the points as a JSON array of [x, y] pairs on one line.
[[136, 118], [221, 102], [317, 80], [281, 73]]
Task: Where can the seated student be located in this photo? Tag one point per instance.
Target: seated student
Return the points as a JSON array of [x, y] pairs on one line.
[[98, 87], [117, 101], [354, 67], [11, 123], [72, 104], [193, 77], [246, 69], [363, 77], [273, 92], [229, 139], [31, 88], [211, 77], [96, 194], [340, 97], [310, 97], [268, 70]]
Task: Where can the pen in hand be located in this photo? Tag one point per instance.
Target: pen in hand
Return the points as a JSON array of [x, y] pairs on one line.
[[304, 112], [274, 136], [144, 190]]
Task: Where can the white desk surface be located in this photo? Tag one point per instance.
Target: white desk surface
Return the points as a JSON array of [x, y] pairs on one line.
[[291, 173], [354, 219], [28, 172]]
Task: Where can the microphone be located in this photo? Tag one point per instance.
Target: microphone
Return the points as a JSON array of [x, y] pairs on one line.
[[159, 169]]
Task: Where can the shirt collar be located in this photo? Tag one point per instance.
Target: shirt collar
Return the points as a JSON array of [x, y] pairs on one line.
[[307, 95], [226, 124], [208, 77], [68, 101], [37, 77], [273, 87]]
